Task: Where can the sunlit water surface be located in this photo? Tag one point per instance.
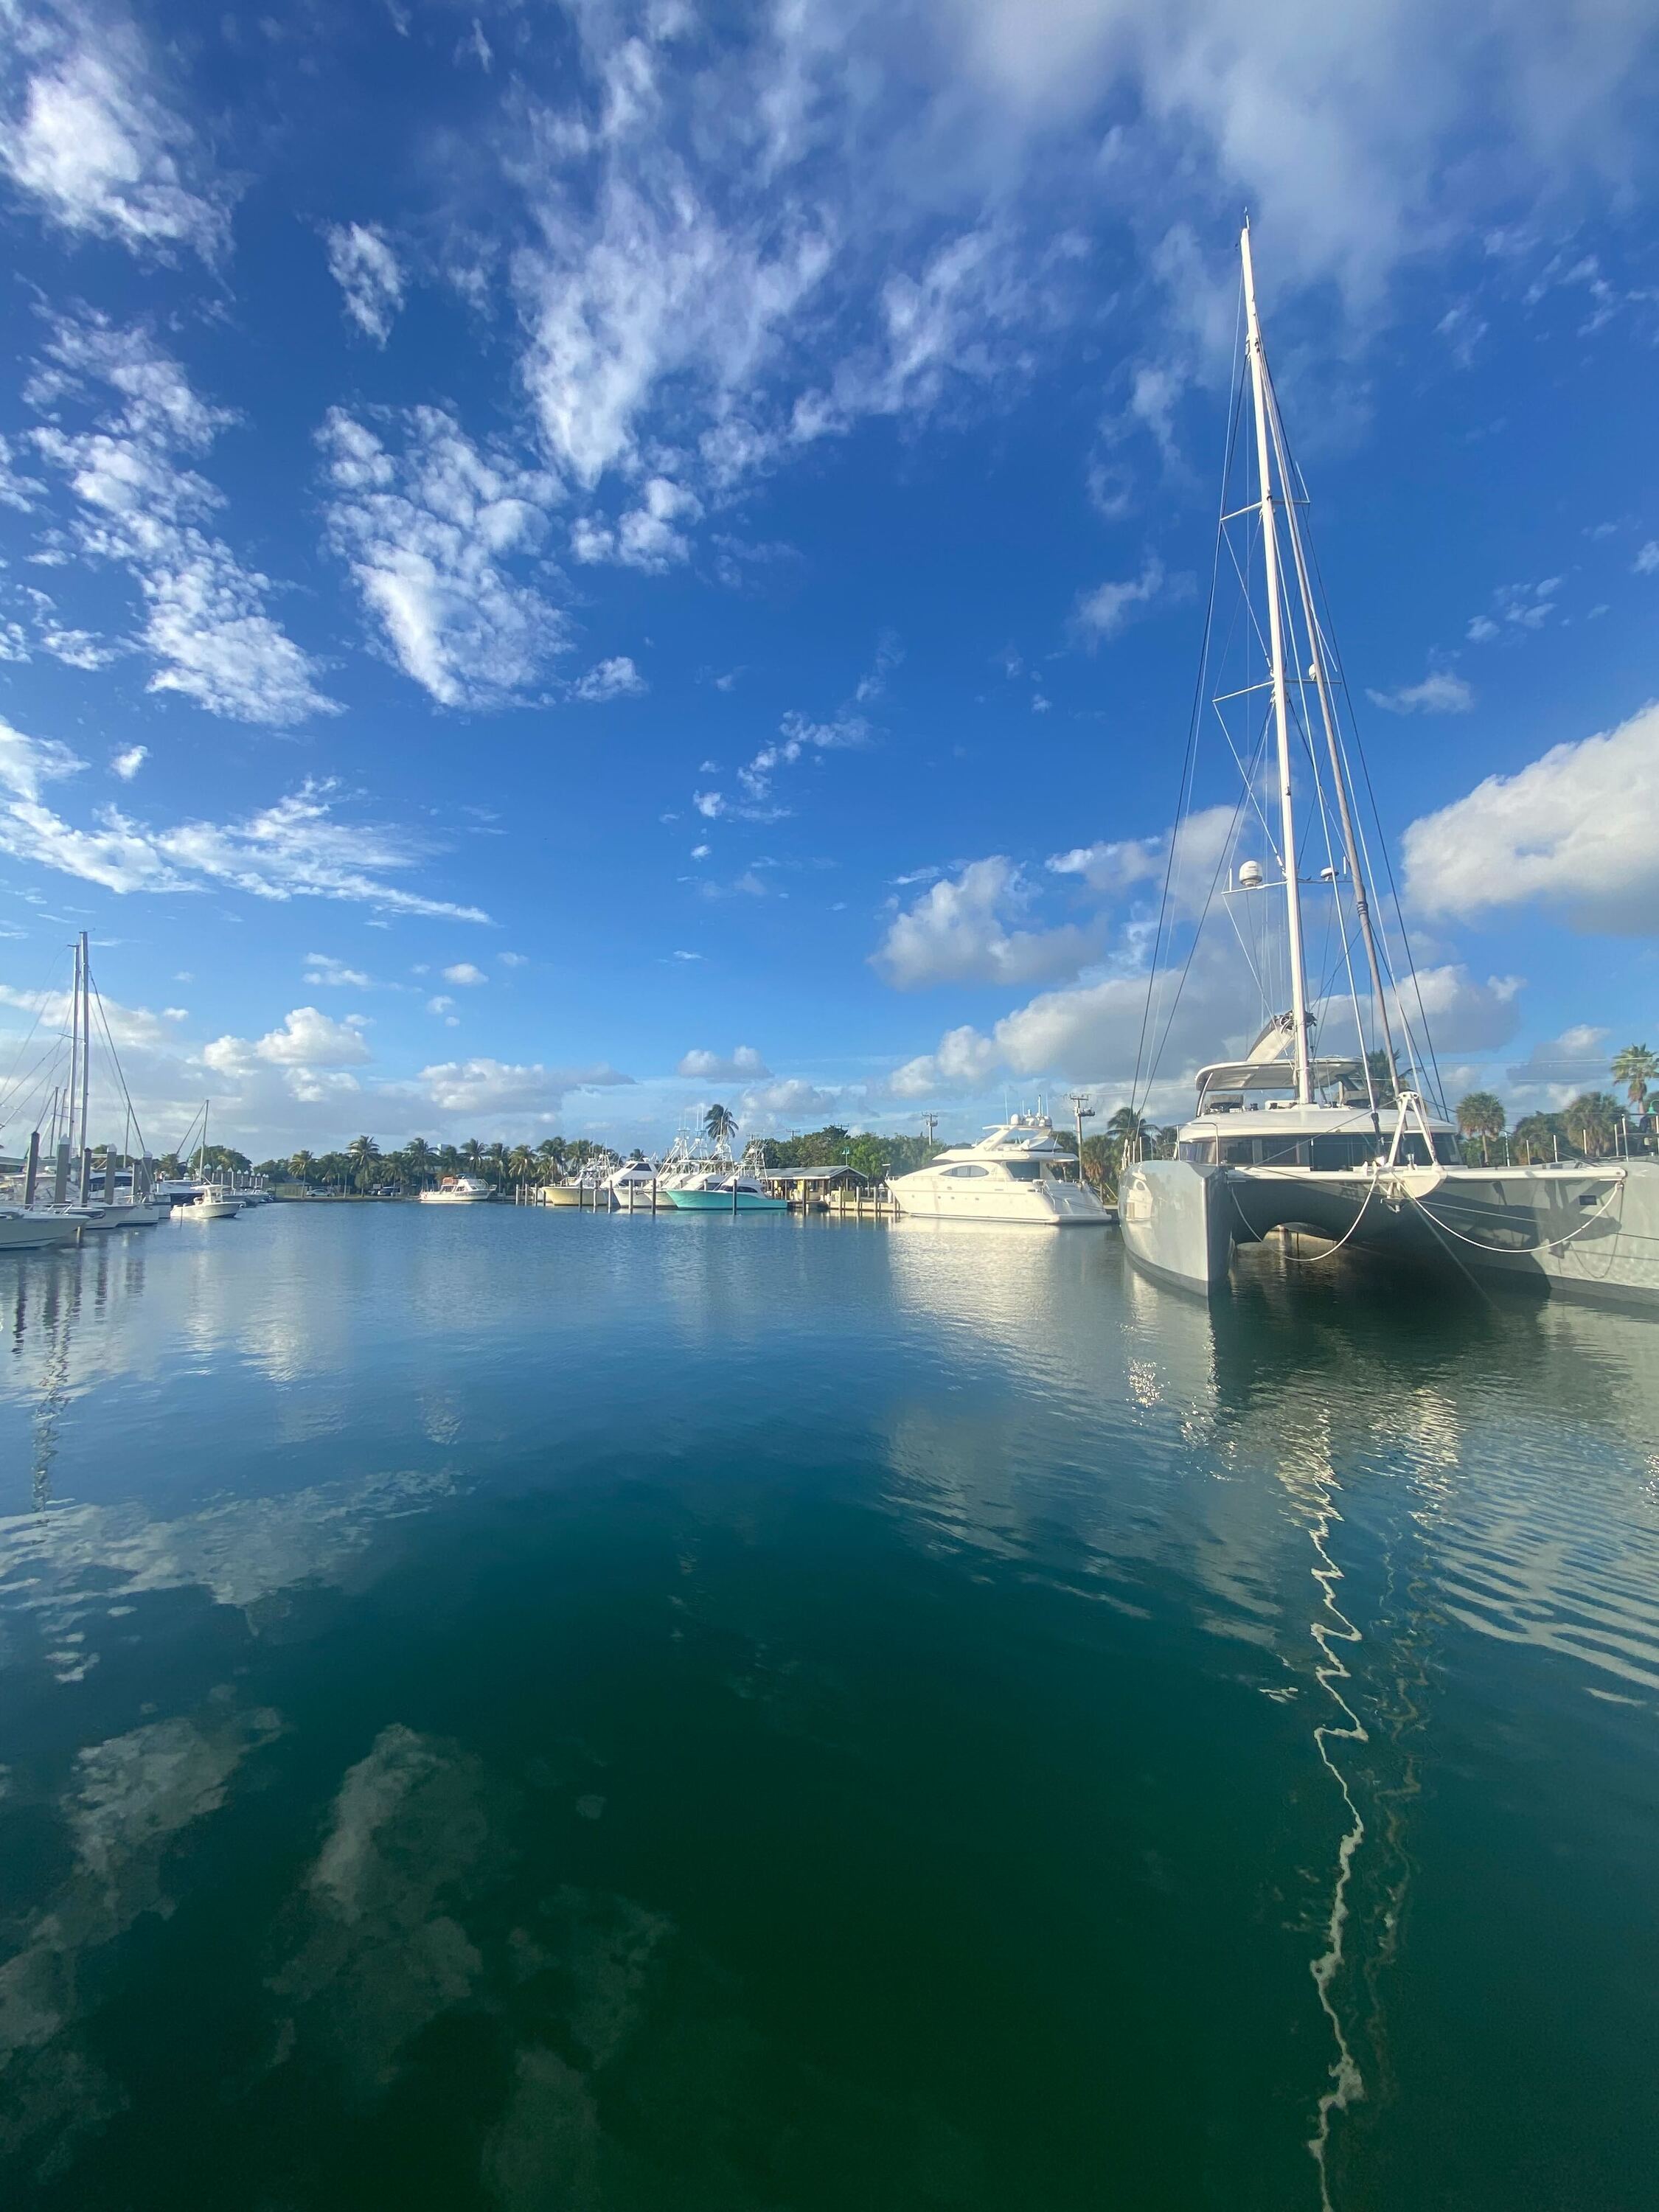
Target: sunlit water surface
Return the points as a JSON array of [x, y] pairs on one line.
[[518, 1709]]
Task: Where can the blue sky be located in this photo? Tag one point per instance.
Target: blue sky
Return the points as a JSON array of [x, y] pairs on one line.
[[561, 561]]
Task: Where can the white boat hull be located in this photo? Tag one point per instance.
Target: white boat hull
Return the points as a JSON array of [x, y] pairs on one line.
[[1036, 1206], [456, 1197], [1575, 1231], [21, 1231]]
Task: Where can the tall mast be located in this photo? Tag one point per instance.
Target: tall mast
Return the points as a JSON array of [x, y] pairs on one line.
[[85, 1035], [75, 1051], [1281, 704]]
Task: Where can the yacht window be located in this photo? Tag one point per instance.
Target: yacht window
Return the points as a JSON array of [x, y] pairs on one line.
[[1026, 1170], [967, 1171], [1344, 1152], [1239, 1151], [1201, 1151], [1283, 1151], [1413, 1152], [1447, 1149]]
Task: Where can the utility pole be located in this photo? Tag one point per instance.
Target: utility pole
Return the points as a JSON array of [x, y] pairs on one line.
[[930, 1122], [1085, 1112]]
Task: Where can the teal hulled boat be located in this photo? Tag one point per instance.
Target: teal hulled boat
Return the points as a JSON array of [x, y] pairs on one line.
[[732, 1194]]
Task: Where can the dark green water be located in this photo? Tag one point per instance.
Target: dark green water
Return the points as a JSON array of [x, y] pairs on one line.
[[518, 1709]]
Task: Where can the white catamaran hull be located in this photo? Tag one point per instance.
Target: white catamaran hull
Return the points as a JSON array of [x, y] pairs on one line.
[[1582, 1232]]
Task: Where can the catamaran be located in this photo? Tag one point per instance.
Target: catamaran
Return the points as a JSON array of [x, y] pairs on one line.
[[1332, 1121]]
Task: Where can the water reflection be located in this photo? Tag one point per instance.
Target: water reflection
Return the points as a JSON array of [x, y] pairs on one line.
[[780, 1502]]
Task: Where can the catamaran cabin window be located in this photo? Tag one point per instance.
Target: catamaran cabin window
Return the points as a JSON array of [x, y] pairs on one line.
[[1201, 1151]]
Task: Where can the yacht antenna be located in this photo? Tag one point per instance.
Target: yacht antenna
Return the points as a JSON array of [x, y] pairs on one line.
[[1281, 706]]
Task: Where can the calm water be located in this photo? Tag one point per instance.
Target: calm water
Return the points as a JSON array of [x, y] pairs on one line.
[[521, 1710]]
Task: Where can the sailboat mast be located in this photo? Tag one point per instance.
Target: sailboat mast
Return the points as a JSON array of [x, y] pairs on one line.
[[75, 1051], [1281, 702], [85, 1035]]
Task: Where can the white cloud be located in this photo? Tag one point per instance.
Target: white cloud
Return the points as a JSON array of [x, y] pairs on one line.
[[17, 490], [1578, 829], [1111, 607], [465, 974], [959, 931], [362, 263], [1114, 867], [1646, 562], [206, 627], [441, 1004], [127, 763], [745, 1064], [513, 959], [1517, 607], [1463, 1014], [796, 735], [323, 967], [294, 848], [617, 679], [793, 1100], [428, 523], [494, 1087], [87, 137], [1440, 692], [965, 1062], [308, 1038]]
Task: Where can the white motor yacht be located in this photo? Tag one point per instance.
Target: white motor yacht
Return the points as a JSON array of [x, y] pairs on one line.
[[459, 1190], [1017, 1172]]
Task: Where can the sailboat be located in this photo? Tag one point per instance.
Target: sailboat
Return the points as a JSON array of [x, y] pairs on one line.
[[116, 1196], [1331, 1121]]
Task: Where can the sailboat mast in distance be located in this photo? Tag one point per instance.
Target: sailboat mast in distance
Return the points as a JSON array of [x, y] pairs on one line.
[[1281, 702]]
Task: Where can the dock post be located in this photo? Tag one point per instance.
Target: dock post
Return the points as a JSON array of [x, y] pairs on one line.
[[31, 1171]]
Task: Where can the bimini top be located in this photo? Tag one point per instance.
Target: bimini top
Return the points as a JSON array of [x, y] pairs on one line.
[[1346, 1075]]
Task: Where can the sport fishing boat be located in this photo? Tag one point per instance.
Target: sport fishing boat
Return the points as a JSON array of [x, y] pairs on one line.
[[1332, 1122], [727, 1189], [1017, 1172]]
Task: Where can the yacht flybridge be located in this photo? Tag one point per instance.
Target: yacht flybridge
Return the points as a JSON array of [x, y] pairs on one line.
[[1332, 1121], [1017, 1172]]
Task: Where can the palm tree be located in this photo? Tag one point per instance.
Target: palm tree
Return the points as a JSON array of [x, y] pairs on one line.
[[1382, 1089], [1481, 1114], [519, 1161], [362, 1152], [1538, 1137], [1635, 1067], [418, 1155], [471, 1152], [496, 1158], [720, 1124], [299, 1166], [1593, 1118]]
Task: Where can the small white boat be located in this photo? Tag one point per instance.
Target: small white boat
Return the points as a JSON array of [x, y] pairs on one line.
[[1017, 1172], [459, 1190]]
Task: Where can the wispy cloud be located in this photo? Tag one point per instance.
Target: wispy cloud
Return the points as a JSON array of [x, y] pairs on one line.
[[206, 627], [362, 263], [429, 523], [1440, 692], [296, 849], [617, 679], [92, 140]]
